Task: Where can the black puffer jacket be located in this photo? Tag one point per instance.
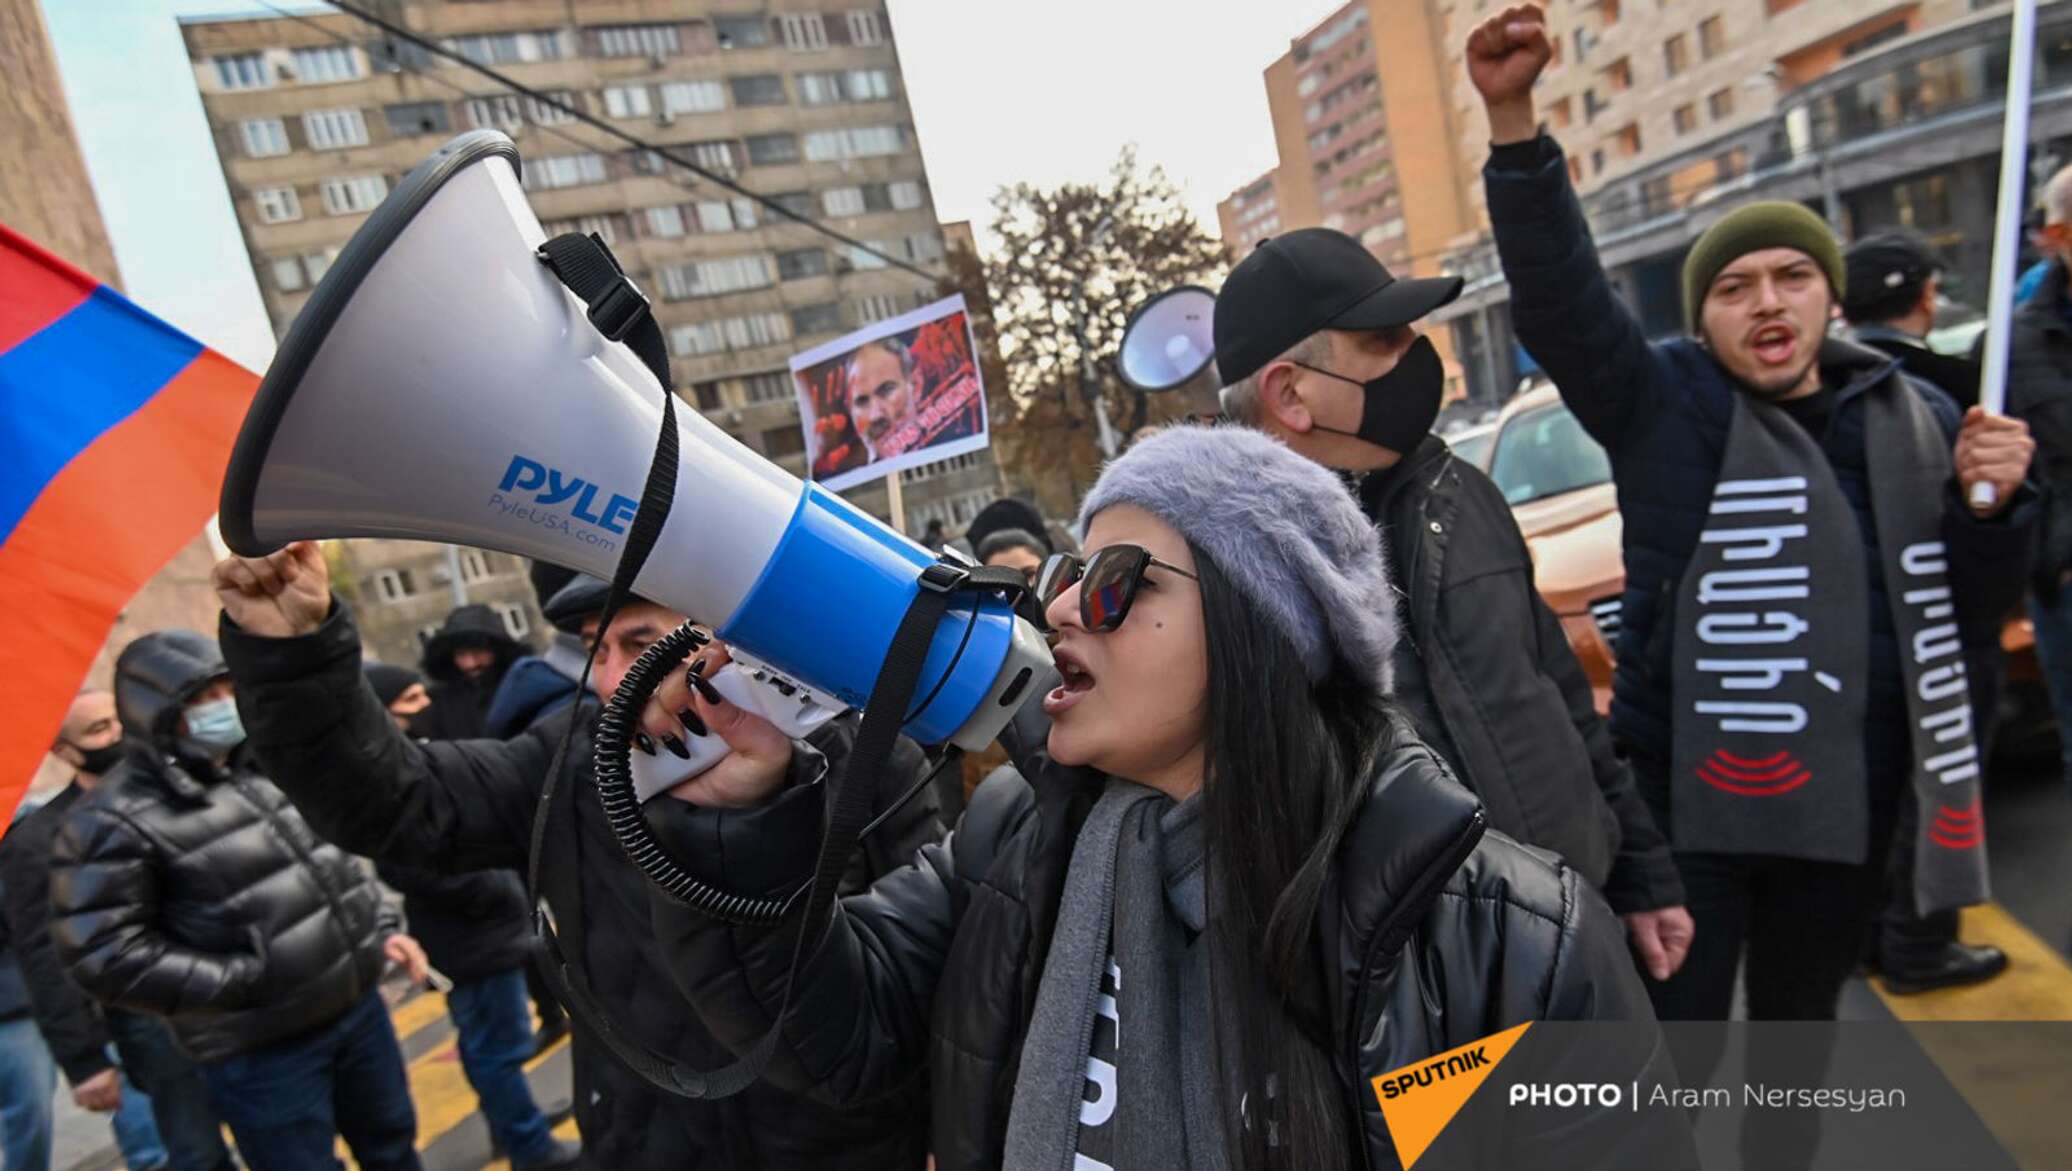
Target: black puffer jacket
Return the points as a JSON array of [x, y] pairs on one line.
[[70, 1021], [470, 804], [472, 925], [197, 893], [1493, 685], [1441, 934]]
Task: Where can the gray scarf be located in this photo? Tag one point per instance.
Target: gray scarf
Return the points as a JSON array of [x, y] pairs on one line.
[[1135, 897], [1773, 644]]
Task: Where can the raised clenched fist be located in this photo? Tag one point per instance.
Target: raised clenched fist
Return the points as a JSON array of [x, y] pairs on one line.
[[281, 595], [1505, 55]]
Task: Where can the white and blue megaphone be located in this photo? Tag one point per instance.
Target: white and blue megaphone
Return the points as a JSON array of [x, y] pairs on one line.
[[442, 384]]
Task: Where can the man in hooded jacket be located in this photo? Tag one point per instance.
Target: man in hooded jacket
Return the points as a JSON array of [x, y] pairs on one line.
[[465, 662], [186, 887]]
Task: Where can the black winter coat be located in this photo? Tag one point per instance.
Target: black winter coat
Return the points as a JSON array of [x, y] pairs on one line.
[[70, 1021], [1502, 696], [2039, 391], [1661, 410], [472, 925], [470, 805], [200, 895], [1434, 934]]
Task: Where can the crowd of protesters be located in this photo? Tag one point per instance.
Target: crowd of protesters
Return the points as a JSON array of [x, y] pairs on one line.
[[1318, 790]]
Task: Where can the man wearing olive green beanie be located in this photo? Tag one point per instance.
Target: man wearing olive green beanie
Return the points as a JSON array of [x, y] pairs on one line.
[[1786, 499], [1756, 227]]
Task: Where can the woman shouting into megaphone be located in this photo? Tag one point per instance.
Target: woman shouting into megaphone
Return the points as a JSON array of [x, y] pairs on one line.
[[1227, 893]]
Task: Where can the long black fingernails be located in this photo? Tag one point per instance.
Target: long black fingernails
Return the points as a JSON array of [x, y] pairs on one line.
[[641, 741], [698, 668], [706, 689], [692, 723], [676, 746]]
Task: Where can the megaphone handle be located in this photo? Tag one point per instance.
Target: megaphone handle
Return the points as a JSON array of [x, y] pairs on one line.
[[1984, 495]]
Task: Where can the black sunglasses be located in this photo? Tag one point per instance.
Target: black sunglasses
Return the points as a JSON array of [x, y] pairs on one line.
[[1108, 583]]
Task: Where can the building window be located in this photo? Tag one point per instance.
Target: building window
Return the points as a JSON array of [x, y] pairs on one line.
[[1686, 118], [801, 263], [1592, 105], [734, 333], [865, 28], [393, 585], [1720, 104], [1597, 162], [741, 32], [665, 222], [856, 142], [639, 40], [334, 129], [1584, 40], [710, 278], [876, 307], [768, 149], [391, 55], [498, 113], [263, 138], [1558, 113], [626, 101], [825, 318], [693, 97], [779, 442], [551, 109], [514, 620], [848, 85], [327, 63], [508, 48], [418, 118], [563, 171], [603, 227], [707, 394], [354, 194], [1629, 140], [767, 388], [242, 71], [474, 565], [1676, 54], [802, 30], [842, 201], [798, 203], [905, 194], [277, 205], [294, 273], [761, 89], [1712, 36], [1863, 44], [1619, 74]]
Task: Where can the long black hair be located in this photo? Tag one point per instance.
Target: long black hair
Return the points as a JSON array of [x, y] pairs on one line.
[[1286, 765]]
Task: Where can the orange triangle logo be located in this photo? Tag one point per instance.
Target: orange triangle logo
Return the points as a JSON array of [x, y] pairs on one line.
[[1417, 1101]]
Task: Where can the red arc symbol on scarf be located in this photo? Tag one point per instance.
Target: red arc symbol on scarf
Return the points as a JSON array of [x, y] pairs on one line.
[[1753, 778]]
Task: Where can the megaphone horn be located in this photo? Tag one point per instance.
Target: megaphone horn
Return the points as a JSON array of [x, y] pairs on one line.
[[441, 384]]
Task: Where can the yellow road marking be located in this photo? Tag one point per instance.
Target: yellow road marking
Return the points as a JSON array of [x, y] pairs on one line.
[[415, 1013], [2037, 985], [2019, 1096]]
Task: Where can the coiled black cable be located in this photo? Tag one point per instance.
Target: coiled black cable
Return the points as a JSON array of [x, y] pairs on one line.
[[613, 771]]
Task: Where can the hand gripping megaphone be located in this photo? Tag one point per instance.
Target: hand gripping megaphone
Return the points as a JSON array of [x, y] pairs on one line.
[[443, 384]]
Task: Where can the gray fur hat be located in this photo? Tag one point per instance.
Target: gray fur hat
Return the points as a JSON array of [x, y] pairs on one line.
[[1283, 529]]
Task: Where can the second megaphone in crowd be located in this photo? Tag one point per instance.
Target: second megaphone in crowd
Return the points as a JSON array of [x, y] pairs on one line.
[[442, 384], [1169, 344]]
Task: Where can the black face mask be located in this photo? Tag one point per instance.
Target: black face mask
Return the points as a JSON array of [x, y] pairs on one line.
[[421, 726], [1401, 404], [98, 761]]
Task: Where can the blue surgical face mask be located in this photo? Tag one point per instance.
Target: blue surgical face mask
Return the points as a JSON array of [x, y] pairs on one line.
[[215, 725]]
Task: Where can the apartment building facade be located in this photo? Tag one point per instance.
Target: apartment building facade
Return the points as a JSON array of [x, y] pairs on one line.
[[315, 118], [1250, 214]]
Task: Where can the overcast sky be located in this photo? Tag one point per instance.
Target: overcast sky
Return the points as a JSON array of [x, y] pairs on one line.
[[1046, 91]]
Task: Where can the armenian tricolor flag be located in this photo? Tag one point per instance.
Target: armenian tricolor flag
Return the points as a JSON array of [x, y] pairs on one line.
[[114, 431]]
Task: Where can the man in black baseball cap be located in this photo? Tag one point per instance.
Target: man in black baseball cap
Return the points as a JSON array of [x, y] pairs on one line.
[[1893, 286], [1318, 345]]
